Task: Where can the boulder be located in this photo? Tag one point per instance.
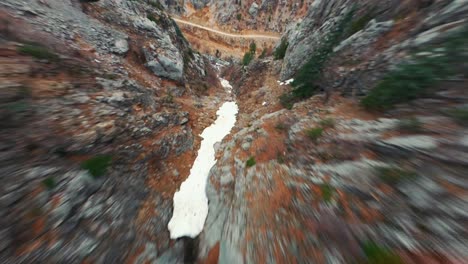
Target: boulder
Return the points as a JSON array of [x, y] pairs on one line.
[[253, 10], [121, 47]]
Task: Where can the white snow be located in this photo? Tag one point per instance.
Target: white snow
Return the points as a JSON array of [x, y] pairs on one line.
[[287, 82], [225, 84], [190, 202]]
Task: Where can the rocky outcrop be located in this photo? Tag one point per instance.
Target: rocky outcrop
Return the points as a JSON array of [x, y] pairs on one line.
[[168, 63], [87, 132], [365, 179], [267, 15], [378, 33]]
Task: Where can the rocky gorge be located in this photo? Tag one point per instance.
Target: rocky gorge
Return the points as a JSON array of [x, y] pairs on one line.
[[104, 103]]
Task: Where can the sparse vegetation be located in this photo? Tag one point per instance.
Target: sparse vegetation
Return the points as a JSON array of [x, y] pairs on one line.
[[169, 98], [155, 3], [249, 55], [251, 162], [327, 192], [393, 175], [306, 81], [263, 54], [152, 18], [18, 107], [411, 124], [327, 123], [361, 22], [178, 31], [412, 79], [280, 126], [97, 166], [37, 51], [49, 183], [280, 52], [239, 17], [314, 133], [280, 158], [406, 83], [460, 115], [380, 255], [287, 100]]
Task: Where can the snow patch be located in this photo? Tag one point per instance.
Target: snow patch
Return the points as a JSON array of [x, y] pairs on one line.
[[225, 83], [287, 82], [190, 202]]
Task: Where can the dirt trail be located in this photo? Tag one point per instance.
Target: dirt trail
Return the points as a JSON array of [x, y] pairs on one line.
[[247, 36]]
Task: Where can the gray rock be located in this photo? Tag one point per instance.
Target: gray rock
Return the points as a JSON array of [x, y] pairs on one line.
[[253, 10], [121, 46], [176, 91], [171, 68], [246, 146], [149, 255]]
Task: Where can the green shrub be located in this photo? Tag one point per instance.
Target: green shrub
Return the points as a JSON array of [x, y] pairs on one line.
[[49, 183], [360, 23], [152, 18], [280, 158], [248, 57], [280, 52], [411, 124], [380, 255], [37, 51], [327, 123], [178, 31], [314, 133], [327, 192], [169, 98], [250, 162], [97, 166], [306, 80], [287, 100], [263, 54], [280, 126], [18, 107], [393, 175], [460, 115], [156, 3], [239, 17], [253, 47], [410, 80]]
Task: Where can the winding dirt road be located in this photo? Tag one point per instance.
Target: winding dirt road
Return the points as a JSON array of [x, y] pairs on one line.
[[246, 36]]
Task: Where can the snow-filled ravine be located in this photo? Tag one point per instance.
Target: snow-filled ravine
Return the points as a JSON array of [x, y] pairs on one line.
[[190, 202]]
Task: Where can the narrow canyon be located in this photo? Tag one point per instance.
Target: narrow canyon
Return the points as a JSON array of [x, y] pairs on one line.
[[214, 131]]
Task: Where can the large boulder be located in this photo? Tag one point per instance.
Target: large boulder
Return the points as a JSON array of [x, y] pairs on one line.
[[253, 10], [164, 59], [121, 46]]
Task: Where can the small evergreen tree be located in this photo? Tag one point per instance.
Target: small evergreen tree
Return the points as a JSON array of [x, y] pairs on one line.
[[306, 81], [280, 52]]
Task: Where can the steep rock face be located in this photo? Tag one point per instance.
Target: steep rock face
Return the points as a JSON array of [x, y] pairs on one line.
[[269, 15], [165, 50], [328, 178], [76, 97], [321, 198], [384, 34]]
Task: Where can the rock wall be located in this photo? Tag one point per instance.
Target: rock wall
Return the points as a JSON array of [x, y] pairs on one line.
[[266, 15], [391, 30], [328, 178], [82, 85], [221, 45]]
